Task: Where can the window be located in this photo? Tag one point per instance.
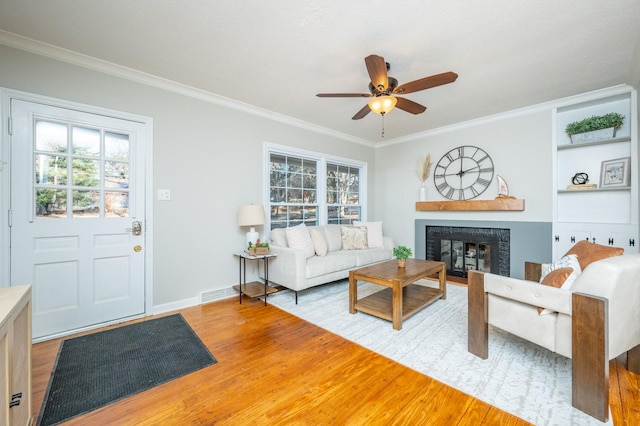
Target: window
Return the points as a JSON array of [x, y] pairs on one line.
[[308, 188]]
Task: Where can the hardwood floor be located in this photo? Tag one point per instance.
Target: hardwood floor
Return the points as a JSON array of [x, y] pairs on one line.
[[274, 368]]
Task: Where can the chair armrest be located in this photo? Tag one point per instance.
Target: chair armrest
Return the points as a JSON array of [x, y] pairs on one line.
[[532, 271], [529, 292], [287, 268]]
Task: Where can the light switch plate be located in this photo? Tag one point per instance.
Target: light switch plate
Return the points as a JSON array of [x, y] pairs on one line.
[[164, 194]]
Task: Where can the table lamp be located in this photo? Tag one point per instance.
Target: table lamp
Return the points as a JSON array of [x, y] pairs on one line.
[[251, 215]]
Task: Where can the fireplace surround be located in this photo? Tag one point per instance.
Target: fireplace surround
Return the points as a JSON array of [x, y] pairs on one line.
[[466, 248], [529, 241]]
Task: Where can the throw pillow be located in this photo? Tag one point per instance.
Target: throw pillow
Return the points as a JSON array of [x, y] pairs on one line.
[[354, 237], [569, 261], [279, 237], [590, 252], [555, 278], [334, 237], [320, 244], [374, 233], [298, 237]]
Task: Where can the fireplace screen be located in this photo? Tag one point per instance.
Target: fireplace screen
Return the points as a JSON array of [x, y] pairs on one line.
[[464, 249]]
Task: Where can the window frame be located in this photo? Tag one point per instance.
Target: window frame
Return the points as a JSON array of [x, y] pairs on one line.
[[321, 175]]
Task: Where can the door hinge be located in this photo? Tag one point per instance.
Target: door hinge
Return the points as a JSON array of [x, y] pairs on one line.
[[10, 126], [10, 218]]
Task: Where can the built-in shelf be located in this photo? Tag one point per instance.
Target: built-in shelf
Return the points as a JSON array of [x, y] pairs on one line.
[[578, 191], [499, 204], [594, 143]]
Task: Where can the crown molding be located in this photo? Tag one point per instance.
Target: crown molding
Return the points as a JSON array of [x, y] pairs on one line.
[[68, 56], [545, 106]]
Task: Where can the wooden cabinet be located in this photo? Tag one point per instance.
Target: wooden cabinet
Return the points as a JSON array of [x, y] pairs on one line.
[[15, 356], [607, 214]]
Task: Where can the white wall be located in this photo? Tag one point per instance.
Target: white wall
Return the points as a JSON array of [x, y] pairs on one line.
[[209, 156], [519, 144]]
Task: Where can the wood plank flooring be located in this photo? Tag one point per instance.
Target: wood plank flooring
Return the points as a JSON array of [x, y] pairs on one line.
[[274, 368]]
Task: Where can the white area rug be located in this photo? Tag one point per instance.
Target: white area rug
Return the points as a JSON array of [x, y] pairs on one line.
[[518, 377]]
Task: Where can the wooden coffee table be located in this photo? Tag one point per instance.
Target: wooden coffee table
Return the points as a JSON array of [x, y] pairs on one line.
[[402, 298]]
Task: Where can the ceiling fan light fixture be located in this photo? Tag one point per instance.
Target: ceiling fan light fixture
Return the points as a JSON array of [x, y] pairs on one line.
[[382, 104]]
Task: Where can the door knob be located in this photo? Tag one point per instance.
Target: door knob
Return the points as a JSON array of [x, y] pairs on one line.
[[136, 228]]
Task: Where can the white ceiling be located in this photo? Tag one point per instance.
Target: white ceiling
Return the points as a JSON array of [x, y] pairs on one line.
[[276, 55]]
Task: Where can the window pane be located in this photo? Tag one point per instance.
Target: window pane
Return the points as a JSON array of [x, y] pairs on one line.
[[51, 137], [51, 203], [116, 175], [86, 172], [116, 146], [51, 170], [86, 203], [86, 141], [116, 204]]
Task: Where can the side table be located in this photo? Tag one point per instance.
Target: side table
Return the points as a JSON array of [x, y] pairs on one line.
[[254, 288]]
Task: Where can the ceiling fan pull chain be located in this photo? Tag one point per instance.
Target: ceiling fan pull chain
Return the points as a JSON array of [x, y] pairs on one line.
[[382, 115]]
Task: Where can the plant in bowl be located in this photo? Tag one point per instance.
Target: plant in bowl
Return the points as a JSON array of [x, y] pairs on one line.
[[258, 248], [402, 253], [596, 122]]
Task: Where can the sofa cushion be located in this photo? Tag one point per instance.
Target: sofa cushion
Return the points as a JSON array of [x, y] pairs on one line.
[[319, 239], [298, 238], [332, 262], [354, 237], [374, 233], [588, 252], [334, 237], [279, 237]]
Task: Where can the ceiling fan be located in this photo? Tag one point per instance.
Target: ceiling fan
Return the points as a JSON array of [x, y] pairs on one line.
[[383, 89]]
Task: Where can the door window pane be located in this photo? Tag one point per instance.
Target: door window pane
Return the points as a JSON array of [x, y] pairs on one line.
[[86, 203], [116, 146], [116, 175], [51, 203], [51, 137], [86, 172], [86, 141], [116, 204], [51, 169]]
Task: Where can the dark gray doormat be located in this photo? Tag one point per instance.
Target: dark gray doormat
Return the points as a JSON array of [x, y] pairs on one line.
[[98, 369]]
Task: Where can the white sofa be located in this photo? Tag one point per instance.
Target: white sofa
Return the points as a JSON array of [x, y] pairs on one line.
[[299, 267], [593, 321]]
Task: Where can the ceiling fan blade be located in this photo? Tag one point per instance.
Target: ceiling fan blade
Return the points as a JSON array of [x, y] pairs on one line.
[[363, 112], [344, 95], [377, 68], [426, 83], [410, 106]]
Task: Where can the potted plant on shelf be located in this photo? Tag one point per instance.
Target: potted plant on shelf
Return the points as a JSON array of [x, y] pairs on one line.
[[595, 128], [402, 253]]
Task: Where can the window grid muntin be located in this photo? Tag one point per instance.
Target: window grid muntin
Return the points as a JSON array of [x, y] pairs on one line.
[[80, 195], [283, 213]]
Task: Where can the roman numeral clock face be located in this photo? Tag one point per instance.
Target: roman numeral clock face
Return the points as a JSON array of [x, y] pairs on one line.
[[463, 173]]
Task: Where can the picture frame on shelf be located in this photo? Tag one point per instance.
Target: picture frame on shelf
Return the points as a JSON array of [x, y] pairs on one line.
[[615, 173]]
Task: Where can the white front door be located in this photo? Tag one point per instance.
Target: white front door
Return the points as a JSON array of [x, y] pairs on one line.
[[77, 215]]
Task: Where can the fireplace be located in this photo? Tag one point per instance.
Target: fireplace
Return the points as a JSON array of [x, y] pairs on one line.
[[467, 248]]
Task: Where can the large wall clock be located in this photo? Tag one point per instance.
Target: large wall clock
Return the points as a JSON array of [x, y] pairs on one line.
[[463, 173]]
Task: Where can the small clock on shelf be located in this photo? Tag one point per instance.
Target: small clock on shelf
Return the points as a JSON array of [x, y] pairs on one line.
[[463, 173]]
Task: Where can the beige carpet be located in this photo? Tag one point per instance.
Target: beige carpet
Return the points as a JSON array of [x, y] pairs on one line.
[[519, 377]]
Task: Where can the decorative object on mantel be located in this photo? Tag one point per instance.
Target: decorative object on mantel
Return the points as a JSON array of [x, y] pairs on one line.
[[503, 188], [580, 181], [615, 173], [402, 253], [595, 128], [423, 170]]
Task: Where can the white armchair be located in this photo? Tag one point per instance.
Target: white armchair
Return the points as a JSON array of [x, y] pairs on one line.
[[595, 321]]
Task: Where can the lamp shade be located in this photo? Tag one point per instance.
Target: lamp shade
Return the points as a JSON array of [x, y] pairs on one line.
[[382, 104], [251, 215]]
